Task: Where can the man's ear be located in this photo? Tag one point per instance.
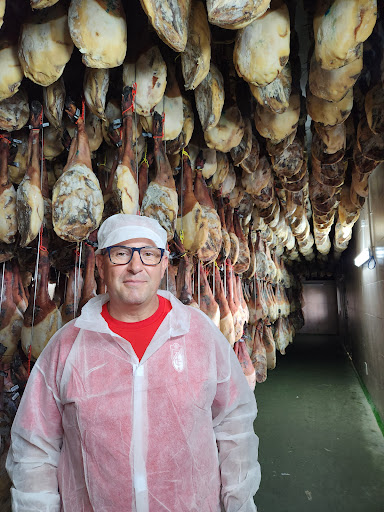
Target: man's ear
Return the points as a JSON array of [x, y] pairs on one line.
[[100, 265]]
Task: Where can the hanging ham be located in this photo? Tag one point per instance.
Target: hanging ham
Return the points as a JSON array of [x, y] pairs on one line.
[[11, 318], [11, 70], [339, 26], [235, 245], [270, 346], [193, 222], [42, 318], [226, 319], [278, 126], [333, 84], [96, 83], [42, 4], [228, 132], [54, 99], [8, 220], [244, 259], [77, 200], [241, 351], [275, 96], [89, 282], [226, 245], [211, 248], [14, 111], [209, 98], [207, 301], [45, 45], [125, 185], [2, 11], [259, 354], [232, 14], [262, 47], [196, 58], [99, 30], [234, 307], [160, 200], [29, 199], [170, 20], [69, 307], [184, 290], [149, 72], [329, 113]]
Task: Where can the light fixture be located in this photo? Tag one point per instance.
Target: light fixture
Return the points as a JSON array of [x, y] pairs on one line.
[[363, 257]]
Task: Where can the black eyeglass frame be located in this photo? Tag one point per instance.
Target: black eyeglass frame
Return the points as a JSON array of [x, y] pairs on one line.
[[134, 249]]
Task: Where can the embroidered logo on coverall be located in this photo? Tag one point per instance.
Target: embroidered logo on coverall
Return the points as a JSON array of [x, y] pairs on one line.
[[177, 357]]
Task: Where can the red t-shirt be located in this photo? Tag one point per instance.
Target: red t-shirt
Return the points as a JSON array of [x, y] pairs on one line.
[[139, 334]]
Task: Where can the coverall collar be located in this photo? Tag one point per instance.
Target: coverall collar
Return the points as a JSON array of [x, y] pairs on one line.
[[175, 324]]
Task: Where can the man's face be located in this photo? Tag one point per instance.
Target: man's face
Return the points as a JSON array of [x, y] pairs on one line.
[[135, 283]]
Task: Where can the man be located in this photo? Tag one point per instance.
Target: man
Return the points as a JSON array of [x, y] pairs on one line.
[[139, 404]]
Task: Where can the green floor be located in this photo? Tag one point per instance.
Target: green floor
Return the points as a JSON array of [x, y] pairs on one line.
[[321, 449]]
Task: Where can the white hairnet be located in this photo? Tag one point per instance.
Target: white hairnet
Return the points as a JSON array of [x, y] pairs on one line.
[[121, 227]]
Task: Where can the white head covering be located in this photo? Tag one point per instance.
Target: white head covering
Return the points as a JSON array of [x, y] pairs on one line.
[[121, 227]]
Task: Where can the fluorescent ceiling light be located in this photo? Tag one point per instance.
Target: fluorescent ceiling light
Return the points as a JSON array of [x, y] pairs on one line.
[[363, 257]]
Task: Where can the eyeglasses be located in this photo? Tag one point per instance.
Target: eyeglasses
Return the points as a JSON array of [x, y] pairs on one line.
[[121, 255]]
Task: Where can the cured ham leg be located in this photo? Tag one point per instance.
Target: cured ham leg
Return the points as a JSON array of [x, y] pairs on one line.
[[226, 319], [8, 219], [71, 301], [143, 176], [99, 30], [212, 246], [89, 285], [77, 200], [261, 306], [240, 294], [53, 101], [193, 221], [125, 185], [207, 301], [170, 20], [96, 83], [236, 300], [270, 346], [42, 318], [29, 199], [259, 354], [11, 319], [234, 307], [149, 71], [19, 297], [243, 262], [251, 303], [245, 363], [160, 200], [252, 258], [184, 275], [235, 245], [226, 244]]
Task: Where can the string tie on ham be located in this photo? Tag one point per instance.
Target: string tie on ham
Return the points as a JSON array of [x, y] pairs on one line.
[[5, 138], [145, 160], [132, 106], [77, 116]]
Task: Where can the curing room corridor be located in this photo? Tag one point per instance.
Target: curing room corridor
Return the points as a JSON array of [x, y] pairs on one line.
[[321, 449]]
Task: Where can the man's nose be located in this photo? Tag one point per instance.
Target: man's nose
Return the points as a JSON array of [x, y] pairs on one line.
[[135, 264]]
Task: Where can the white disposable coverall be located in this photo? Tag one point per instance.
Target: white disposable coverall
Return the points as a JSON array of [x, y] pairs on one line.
[[97, 430]]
